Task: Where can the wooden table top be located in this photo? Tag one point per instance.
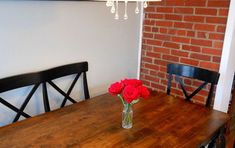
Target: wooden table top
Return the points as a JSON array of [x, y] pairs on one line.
[[161, 121]]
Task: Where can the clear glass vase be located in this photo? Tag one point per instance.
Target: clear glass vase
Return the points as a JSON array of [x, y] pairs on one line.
[[127, 116]]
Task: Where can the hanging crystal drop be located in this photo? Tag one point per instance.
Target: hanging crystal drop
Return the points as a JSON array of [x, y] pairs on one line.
[[112, 8], [116, 14], [111, 2], [145, 4], [137, 7], [108, 3], [125, 15]]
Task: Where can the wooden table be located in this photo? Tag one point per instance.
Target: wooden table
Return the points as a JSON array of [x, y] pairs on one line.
[[161, 121]]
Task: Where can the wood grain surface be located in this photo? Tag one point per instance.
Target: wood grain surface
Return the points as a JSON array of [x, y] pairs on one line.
[[161, 121]]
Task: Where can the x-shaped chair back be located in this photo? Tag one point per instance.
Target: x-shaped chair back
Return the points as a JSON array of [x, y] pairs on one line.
[[44, 77], [204, 75]]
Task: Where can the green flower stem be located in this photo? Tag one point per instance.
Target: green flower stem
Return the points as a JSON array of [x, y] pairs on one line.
[[127, 119], [127, 116], [128, 107], [120, 96], [128, 113]]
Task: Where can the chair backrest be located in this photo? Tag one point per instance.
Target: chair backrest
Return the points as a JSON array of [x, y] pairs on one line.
[[204, 75], [44, 77]]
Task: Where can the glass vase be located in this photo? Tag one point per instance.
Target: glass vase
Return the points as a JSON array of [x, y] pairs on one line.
[[127, 116]]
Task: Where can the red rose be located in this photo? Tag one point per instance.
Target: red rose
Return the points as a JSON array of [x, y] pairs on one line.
[[116, 88], [130, 93], [133, 82], [143, 92]]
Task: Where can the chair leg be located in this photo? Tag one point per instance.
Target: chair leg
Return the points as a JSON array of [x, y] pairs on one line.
[[212, 144], [221, 139], [218, 140]]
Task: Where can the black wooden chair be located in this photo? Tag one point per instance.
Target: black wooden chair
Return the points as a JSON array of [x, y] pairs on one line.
[[44, 77], [204, 75]]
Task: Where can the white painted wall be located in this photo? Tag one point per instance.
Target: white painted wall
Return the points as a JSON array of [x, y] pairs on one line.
[[37, 35], [227, 65]]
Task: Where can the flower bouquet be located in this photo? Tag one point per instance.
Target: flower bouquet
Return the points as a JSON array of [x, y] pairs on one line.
[[129, 91]]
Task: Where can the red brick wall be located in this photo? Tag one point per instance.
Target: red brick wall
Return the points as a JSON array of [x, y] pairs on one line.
[[189, 32]]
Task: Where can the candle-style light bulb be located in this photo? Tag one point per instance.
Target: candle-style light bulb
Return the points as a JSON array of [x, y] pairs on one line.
[[137, 7], [125, 15], [116, 14], [145, 4], [112, 9]]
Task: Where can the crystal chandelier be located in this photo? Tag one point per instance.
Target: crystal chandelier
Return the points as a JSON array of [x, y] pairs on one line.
[[114, 6]]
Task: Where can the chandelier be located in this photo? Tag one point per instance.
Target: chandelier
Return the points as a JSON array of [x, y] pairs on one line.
[[113, 4]]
